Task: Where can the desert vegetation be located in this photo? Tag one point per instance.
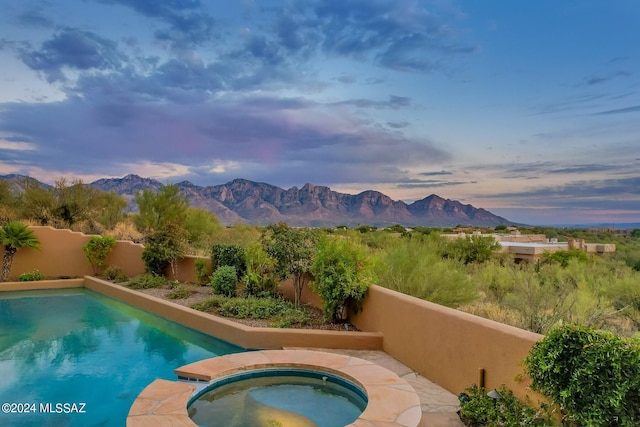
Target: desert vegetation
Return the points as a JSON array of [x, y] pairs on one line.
[[468, 274]]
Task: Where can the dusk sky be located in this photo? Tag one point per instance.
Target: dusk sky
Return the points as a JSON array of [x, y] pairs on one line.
[[530, 109]]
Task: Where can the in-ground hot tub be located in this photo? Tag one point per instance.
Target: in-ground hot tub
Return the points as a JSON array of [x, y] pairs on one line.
[[278, 397], [391, 400]]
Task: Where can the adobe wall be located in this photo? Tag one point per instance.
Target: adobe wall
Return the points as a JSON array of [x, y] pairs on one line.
[[446, 345], [61, 255]]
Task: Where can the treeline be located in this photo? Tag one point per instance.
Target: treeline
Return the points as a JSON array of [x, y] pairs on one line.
[[470, 274]]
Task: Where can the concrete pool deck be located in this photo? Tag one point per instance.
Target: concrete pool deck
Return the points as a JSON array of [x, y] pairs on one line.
[[397, 395]]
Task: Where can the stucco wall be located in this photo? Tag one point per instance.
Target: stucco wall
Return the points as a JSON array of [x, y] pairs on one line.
[[61, 255], [445, 345]]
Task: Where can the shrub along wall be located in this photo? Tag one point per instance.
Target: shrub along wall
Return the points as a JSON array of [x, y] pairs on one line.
[[445, 345]]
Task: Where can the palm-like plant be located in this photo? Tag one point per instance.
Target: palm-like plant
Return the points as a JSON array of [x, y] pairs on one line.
[[15, 235]]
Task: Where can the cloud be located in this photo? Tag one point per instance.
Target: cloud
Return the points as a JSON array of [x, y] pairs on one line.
[[398, 125], [75, 49], [585, 191], [280, 138], [401, 35], [188, 24], [394, 102], [633, 109], [584, 169], [35, 18], [438, 173], [432, 184]]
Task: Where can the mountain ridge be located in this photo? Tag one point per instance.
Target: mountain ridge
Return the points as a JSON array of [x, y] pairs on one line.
[[242, 200]]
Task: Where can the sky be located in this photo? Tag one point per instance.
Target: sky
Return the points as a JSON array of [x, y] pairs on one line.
[[529, 109]]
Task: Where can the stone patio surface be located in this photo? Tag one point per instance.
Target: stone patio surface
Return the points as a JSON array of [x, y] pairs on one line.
[[439, 406]]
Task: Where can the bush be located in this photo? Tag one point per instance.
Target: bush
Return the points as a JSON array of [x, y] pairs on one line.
[[479, 409], [202, 271], [180, 292], [594, 377], [97, 250], [229, 255], [163, 249], [225, 280], [282, 313], [114, 273], [32, 276], [472, 249], [342, 273], [148, 281], [260, 279], [414, 267]]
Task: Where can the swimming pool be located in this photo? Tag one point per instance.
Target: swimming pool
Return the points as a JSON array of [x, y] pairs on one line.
[[79, 358]]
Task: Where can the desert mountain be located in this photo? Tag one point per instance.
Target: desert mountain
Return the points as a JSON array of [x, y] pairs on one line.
[[252, 202]]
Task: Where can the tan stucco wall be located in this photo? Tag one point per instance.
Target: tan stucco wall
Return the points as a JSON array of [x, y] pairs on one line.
[[61, 255], [445, 345]]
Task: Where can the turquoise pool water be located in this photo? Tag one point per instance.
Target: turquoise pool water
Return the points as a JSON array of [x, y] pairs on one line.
[[285, 397], [79, 358]]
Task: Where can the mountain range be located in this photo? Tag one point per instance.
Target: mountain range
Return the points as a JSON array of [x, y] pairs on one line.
[[252, 202]]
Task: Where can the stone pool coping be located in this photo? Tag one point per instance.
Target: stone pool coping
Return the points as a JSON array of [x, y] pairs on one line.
[[392, 402]]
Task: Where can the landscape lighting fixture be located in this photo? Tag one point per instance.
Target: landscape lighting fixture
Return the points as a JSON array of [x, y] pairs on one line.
[[494, 394]]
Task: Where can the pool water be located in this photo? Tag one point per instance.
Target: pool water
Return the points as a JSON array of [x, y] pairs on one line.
[[79, 358], [283, 398]]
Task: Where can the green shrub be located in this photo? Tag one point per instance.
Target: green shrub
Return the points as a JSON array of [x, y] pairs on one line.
[[114, 273], [97, 250], [258, 285], [593, 377], [472, 249], [564, 257], [180, 292], [477, 409], [202, 271], [229, 255], [415, 267], [163, 249], [225, 280], [148, 281], [281, 313], [342, 273], [260, 279], [31, 276]]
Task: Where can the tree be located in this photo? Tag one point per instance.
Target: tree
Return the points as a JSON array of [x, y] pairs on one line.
[[15, 235], [8, 202], [110, 206], [342, 273], [37, 202], [471, 249], [75, 202], [163, 249], [156, 210], [201, 225], [97, 250], [293, 249]]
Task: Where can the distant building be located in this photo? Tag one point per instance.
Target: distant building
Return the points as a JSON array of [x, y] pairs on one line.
[[529, 247]]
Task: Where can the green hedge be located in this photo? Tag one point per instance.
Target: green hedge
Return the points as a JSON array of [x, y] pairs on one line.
[[593, 376]]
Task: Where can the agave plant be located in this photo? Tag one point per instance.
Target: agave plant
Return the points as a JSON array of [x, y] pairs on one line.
[[15, 235]]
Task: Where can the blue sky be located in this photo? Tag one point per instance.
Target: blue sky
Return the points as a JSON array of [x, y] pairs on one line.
[[528, 109]]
